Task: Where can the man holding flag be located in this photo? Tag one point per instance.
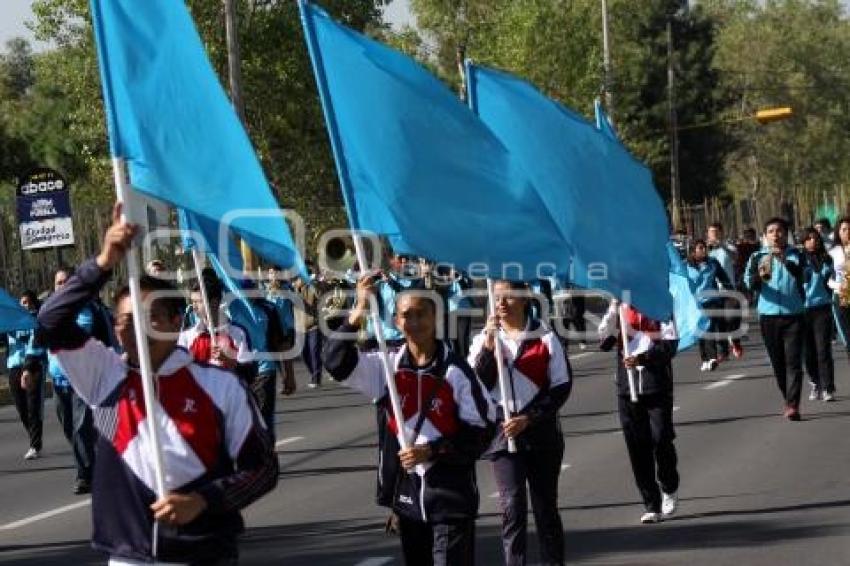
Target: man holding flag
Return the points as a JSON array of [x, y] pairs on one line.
[[216, 451]]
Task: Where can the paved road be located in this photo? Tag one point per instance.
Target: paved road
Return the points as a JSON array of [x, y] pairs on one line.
[[755, 488]]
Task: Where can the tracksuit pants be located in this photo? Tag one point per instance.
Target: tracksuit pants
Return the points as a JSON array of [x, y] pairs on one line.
[[783, 338], [817, 346], [77, 423], [29, 404], [649, 434], [437, 544], [539, 468]]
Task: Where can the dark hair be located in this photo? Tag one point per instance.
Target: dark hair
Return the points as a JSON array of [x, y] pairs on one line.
[[212, 285], [825, 221], [776, 220], [174, 302], [33, 298], [836, 239], [694, 244], [811, 232], [717, 225], [64, 269]]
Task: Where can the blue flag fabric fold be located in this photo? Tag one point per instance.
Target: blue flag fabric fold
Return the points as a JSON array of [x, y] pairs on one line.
[[12, 315], [691, 323], [603, 200], [170, 119], [417, 166]]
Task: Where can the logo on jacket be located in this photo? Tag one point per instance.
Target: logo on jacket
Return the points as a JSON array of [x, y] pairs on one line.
[[405, 499], [189, 406]]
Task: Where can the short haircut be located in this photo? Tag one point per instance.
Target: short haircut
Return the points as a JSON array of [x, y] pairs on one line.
[[173, 301], [513, 284], [33, 298], [776, 220], [717, 225], [212, 285], [416, 294]]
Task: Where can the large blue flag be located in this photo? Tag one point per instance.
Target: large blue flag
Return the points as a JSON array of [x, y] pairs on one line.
[[170, 119], [690, 321], [417, 166], [12, 315], [602, 198]]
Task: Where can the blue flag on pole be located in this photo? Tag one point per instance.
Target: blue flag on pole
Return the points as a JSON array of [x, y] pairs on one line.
[[689, 319], [417, 166], [12, 315], [170, 119], [603, 200]]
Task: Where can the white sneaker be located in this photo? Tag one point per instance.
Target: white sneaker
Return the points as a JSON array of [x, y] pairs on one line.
[[649, 518], [669, 503], [712, 365], [814, 394], [828, 397], [704, 366], [32, 454]]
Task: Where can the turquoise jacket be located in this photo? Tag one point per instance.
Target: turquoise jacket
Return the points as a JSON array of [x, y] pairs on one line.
[[783, 294], [817, 274], [23, 351]]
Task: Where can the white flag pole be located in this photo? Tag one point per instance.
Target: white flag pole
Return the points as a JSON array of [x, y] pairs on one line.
[[152, 410], [631, 372], [507, 404], [199, 271], [395, 401]]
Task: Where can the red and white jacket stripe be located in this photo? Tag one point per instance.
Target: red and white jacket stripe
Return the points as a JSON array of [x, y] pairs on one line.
[[213, 438]]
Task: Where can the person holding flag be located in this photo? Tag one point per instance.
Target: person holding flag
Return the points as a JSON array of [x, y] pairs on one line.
[[214, 339], [431, 484], [645, 403], [540, 384], [216, 450]]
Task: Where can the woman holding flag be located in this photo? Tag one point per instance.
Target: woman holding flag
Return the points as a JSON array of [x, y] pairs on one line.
[[431, 484], [645, 349], [540, 383]]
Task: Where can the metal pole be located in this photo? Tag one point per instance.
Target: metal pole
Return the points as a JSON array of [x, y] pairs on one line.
[[606, 62], [674, 131]]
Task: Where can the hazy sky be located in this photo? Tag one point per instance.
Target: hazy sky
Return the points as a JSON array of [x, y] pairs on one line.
[[13, 14]]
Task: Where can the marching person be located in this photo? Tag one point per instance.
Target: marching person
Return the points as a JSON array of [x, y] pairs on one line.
[[540, 382], [277, 290], [817, 344], [776, 273], [74, 415], [232, 348], [840, 254], [706, 276], [25, 362], [648, 422], [216, 450], [726, 254], [431, 485]]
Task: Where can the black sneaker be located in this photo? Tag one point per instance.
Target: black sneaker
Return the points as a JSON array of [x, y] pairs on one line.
[[82, 487]]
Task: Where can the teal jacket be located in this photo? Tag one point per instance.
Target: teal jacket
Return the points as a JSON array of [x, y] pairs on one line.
[[783, 294], [818, 272]]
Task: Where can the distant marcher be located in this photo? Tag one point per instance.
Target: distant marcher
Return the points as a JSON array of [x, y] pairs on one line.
[[817, 344]]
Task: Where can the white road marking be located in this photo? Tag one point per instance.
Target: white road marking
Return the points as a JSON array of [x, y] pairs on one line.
[[494, 495], [45, 515], [725, 381], [378, 561], [580, 356], [285, 441], [676, 408], [565, 466]]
